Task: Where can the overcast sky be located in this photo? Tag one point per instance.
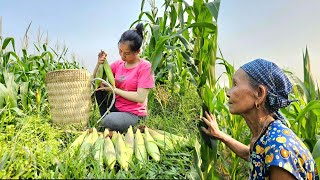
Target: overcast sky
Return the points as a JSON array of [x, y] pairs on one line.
[[277, 30]]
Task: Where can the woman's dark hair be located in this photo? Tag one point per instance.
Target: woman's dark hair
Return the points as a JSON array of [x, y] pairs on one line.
[[254, 84], [133, 37]]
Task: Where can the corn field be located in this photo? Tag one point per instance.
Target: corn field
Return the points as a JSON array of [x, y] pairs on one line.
[[182, 46]]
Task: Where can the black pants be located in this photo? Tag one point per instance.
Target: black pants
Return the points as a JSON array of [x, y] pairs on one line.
[[118, 121], [104, 100]]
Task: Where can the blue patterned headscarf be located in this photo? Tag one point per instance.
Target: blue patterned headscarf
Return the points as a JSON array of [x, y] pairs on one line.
[[278, 84]]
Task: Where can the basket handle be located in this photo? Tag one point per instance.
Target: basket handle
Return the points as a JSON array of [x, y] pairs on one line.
[[113, 97]]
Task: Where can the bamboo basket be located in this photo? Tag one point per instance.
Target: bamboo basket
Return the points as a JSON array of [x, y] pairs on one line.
[[69, 94]]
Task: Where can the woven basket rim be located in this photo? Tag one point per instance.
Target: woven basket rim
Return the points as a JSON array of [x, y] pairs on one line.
[[61, 73], [62, 70]]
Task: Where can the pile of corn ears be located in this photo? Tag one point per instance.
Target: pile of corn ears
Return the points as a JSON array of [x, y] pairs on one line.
[[109, 148]]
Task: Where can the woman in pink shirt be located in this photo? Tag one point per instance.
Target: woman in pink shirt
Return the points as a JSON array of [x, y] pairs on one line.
[[133, 80]]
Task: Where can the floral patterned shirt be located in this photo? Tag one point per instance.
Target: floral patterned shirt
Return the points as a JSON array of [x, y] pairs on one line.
[[280, 147]]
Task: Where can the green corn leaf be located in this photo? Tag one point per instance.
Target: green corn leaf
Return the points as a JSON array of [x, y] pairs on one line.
[[7, 96], [316, 152], [24, 94], [208, 97], [311, 125], [173, 16], [157, 54], [46, 53], [149, 16], [288, 113], [17, 110], [308, 79], [197, 161], [210, 26], [2, 95], [184, 41], [142, 5], [7, 41], [180, 14], [214, 8], [312, 105]]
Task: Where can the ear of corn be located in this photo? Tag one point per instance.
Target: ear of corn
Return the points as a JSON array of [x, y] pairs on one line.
[[109, 73], [163, 141], [121, 148], [78, 142], [88, 142], [129, 140], [95, 135], [109, 153], [106, 132], [151, 146], [98, 150], [121, 152], [139, 147], [85, 147], [99, 74], [114, 136], [174, 138]]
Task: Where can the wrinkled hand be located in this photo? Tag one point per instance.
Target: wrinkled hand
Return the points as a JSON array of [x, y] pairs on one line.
[[102, 56], [213, 128]]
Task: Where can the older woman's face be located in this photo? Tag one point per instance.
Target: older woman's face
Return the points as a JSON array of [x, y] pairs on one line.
[[241, 95]]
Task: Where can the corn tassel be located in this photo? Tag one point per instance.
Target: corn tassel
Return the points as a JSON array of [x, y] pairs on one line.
[[151, 146], [161, 140], [109, 153], [140, 150], [121, 152]]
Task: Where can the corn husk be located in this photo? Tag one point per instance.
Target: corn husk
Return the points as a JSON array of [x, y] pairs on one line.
[[163, 141], [98, 150], [121, 152], [109, 153], [140, 150], [151, 146], [129, 141]]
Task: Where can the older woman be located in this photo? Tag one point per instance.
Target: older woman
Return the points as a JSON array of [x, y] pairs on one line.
[[259, 89]]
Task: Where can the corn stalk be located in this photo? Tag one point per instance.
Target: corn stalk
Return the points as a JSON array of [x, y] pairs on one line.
[[304, 114]]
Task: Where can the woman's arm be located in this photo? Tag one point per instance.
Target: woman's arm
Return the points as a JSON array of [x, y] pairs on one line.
[[101, 58], [136, 96], [237, 147], [279, 173]]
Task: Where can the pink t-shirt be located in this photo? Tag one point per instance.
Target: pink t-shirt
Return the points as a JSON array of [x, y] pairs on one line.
[[130, 79]]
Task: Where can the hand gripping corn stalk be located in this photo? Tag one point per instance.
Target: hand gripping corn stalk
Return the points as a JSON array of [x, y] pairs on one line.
[[113, 96]]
